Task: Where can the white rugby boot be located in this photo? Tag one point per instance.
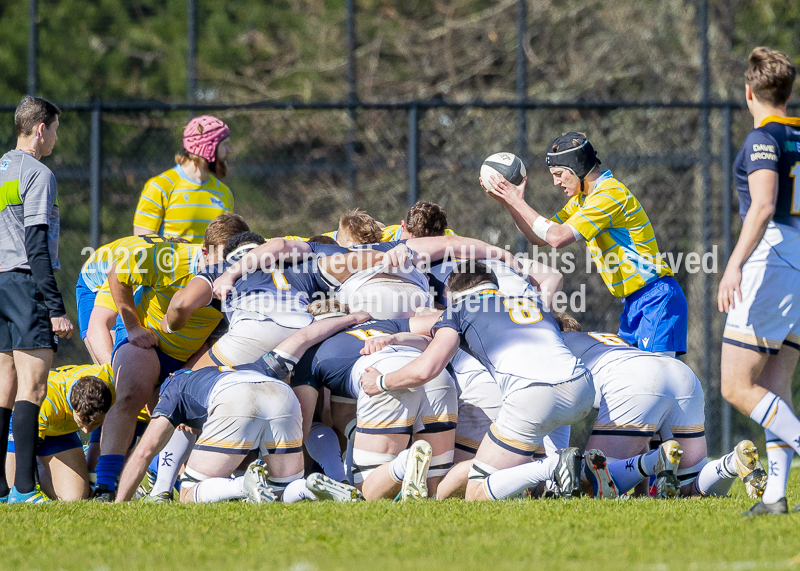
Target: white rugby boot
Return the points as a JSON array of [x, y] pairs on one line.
[[256, 488], [667, 484], [415, 482], [327, 489]]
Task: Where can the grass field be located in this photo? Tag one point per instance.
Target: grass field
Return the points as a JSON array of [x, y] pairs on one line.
[[581, 534]]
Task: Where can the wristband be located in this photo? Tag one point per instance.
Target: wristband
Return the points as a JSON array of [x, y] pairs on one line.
[[540, 227], [381, 383], [166, 328]]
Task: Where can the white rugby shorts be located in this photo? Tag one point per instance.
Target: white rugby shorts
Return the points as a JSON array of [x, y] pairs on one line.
[[387, 298], [432, 407], [247, 340], [258, 413], [647, 394], [765, 318]]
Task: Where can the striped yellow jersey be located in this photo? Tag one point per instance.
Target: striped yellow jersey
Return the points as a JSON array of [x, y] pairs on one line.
[[621, 239], [56, 415], [95, 269], [161, 270], [173, 205]]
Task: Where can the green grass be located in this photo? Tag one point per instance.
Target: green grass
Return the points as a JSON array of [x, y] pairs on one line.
[[581, 534]]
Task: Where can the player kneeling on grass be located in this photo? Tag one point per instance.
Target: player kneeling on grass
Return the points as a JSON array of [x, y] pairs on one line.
[[78, 398], [639, 394], [238, 410], [544, 385]]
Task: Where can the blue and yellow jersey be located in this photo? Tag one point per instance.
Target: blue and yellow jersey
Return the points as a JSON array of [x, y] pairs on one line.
[[95, 269], [161, 270], [56, 415], [621, 239], [173, 205]]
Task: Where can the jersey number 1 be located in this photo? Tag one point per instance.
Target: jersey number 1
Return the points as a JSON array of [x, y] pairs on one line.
[[795, 174]]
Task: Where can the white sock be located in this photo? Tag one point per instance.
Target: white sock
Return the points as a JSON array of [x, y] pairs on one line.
[[779, 462], [717, 477], [398, 468], [219, 489], [296, 491], [629, 472], [774, 414], [170, 460], [322, 445], [505, 483]]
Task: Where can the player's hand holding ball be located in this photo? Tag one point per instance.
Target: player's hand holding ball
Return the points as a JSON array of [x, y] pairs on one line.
[[503, 177]]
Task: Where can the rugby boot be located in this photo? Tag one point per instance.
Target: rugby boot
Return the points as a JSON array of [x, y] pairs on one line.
[[256, 488], [37, 496], [102, 493], [162, 498], [596, 471], [326, 489], [761, 508], [415, 482], [667, 484], [749, 469], [567, 474]]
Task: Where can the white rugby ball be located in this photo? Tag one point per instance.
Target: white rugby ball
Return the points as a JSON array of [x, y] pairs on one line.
[[505, 164]]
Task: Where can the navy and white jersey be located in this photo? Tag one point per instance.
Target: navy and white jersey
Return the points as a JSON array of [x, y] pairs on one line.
[[186, 394], [280, 294], [775, 146], [518, 343], [509, 282], [328, 364]]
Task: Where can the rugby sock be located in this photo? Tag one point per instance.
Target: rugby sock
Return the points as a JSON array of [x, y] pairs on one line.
[[109, 467], [322, 445], [26, 439], [508, 482], [5, 422], [348, 463], [219, 489], [629, 472], [296, 491], [170, 460], [717, 477], [398, 467], [779, 462], [775, 415]]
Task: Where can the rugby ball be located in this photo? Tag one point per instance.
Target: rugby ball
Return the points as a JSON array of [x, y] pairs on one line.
[[505, 164]]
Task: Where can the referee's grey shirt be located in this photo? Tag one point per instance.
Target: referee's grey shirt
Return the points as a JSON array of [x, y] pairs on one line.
[[28, 197]]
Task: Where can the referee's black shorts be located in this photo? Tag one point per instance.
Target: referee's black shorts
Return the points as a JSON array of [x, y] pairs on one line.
[[24, 317]]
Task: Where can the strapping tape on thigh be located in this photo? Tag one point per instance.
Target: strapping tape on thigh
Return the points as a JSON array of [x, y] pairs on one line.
[[479, 471], [192, 477], [365, 462], [689, 475], [279, 484], [441, 464]]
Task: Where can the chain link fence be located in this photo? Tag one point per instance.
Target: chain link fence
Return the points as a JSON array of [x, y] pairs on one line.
[[296, 170]]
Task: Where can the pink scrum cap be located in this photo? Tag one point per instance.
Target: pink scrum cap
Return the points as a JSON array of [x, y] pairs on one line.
[[202, 136]]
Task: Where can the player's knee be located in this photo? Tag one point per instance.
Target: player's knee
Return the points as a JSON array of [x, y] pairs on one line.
[[687, 476], [479, 472], [189, 480], [441, 465], [366, 462], [278, 485]]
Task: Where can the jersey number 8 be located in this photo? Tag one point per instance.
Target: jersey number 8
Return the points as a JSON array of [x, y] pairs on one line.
[[522, 310]]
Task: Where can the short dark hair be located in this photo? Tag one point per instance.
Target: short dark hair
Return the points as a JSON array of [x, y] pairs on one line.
[[90, 397], [323, 239], [470, 274], [770, 75], [242, 238], [31, 111], [426, 219]]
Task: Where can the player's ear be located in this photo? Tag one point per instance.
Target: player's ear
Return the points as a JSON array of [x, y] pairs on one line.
[[748, 92]]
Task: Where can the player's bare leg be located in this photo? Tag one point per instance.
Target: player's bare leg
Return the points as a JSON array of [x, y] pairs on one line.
[[207, 477], [69, 475], [454, 484], [377, 450], [8, 391]]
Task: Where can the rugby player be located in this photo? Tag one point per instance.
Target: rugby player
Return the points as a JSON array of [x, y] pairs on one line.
[[182, 202], [760, 347], [78, 398], [238, 409], [148, 353], [544, 385], [639, 394], [621, 240]]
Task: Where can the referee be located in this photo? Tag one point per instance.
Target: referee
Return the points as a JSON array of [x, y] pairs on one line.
[[31, 308]]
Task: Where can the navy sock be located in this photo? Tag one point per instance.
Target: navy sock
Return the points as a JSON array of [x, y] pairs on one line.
[[26, 439], [5, 424], [109, 467]]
